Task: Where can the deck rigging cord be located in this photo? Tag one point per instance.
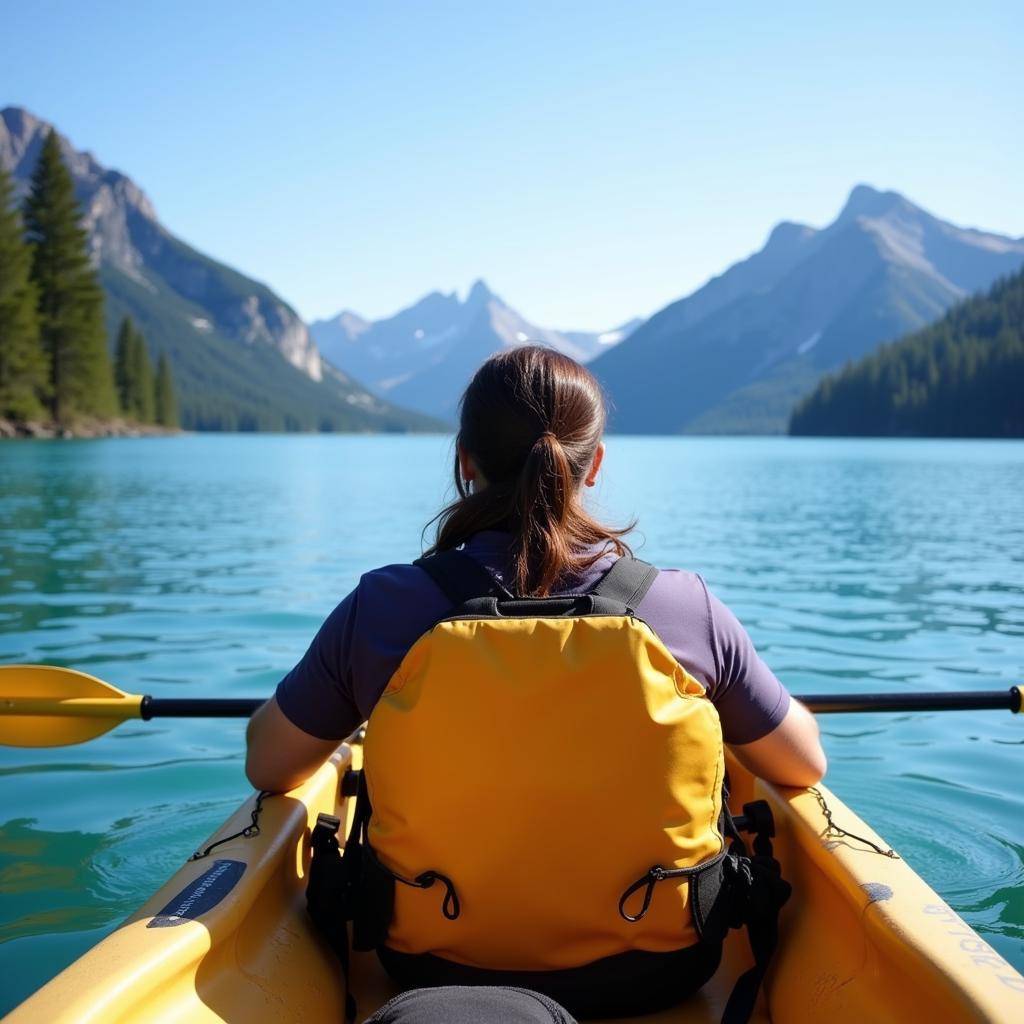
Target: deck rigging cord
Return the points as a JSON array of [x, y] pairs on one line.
[[834, 831], [250, 830]]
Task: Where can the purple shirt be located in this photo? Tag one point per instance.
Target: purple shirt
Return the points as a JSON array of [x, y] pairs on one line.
[[340, 678]]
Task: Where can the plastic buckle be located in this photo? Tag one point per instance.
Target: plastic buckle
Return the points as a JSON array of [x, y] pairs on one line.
[[326, 823], [759, 818]]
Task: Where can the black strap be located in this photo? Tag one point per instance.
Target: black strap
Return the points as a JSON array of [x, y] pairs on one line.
[[326, 891], [758, 899], [332, 886], [360, 823], [460, 576], [770, 892], [627, 581]]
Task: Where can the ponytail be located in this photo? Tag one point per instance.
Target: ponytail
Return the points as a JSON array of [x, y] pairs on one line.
[[531, 419]]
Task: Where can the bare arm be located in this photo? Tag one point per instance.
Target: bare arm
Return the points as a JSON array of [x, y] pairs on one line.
[[790, 754], [280, 755]]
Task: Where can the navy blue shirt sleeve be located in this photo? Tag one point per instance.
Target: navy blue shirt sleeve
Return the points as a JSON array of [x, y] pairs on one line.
[[317, 696], [357, 650]]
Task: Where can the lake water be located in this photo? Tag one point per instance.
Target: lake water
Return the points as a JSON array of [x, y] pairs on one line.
[[202, 565]]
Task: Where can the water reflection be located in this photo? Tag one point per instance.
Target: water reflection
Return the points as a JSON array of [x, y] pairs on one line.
[[49, 881], [203, 565]]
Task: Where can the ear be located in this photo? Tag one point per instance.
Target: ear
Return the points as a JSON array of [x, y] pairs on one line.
[[595, 466], [466, 465]]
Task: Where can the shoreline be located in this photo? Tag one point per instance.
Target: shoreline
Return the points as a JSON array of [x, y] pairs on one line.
[[84, 428]]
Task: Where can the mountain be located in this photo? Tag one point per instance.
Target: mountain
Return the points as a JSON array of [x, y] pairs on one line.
[[592, 343], [737, 354], [423, 356], [963, 376], [242, 357]]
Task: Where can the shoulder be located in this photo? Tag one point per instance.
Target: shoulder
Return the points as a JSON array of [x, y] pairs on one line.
[[681, 610], [397, 593], [675, 593], [391, 601], [682, 585], [685, 598], [399, 577]]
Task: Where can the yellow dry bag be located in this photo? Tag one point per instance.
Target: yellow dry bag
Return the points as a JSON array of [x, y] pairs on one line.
[[542, 791], [542, 755]]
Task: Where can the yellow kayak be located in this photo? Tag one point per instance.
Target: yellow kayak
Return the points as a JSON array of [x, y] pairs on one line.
[[863, 938]]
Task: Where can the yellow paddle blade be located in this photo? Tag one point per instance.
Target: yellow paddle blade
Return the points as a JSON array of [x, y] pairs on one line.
[[45, 706]]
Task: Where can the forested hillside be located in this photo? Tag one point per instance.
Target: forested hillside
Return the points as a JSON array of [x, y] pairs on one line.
[[242, 358], [961, 377], [736, 355]]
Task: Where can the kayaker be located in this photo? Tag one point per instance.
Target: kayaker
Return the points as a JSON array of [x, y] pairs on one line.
[[530, 439]]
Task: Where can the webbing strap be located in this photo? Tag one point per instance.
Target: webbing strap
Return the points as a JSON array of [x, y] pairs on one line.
[[460, 576], [767, 893], [326, 893], [332, 887], [763, 934], [627, 581]]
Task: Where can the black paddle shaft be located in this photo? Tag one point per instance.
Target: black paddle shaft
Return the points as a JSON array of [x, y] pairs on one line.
[[819, 703], [204, 707], [831, 704]]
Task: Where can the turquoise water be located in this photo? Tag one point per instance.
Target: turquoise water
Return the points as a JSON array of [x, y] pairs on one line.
[[200, 566]]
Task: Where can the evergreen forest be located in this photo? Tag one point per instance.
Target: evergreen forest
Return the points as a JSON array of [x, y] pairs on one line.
[[962, 376], [55, 363]]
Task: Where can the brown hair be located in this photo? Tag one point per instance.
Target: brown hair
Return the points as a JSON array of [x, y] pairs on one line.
[[531, 420]]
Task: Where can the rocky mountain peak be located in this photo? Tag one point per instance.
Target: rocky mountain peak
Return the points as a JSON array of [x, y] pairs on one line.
[[788, 234], [17, 128], [479, 293], [424, 355], [22, 135], [126, 236], [733, 356], [352, 323], [865, 201]]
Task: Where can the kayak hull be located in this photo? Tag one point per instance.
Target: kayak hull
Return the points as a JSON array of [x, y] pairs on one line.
[[227, 938]]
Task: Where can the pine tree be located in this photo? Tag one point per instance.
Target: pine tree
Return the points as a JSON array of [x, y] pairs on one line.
[[133, 374], [166, 403], [143, 374], [124, 367], [22, 360], [69, 295], [963, 376]]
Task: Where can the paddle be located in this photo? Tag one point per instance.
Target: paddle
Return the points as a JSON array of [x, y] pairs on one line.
[[46, 706]]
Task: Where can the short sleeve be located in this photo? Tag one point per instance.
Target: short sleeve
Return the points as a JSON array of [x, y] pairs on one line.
[[750, 700], [316, 696], [358, 648]]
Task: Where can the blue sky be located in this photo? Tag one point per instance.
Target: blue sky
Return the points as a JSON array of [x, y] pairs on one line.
[[592, 161]]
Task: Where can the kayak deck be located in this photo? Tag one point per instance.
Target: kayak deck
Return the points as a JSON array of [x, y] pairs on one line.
[[227, 938]]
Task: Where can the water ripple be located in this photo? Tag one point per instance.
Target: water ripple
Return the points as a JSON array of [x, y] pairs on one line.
[[203, 565]]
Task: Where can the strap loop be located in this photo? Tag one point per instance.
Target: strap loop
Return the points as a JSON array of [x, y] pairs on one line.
[[647, 883], [450, 907], [657, 874]]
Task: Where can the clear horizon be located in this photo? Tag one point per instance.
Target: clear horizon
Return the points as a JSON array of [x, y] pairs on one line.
[[590, 163]]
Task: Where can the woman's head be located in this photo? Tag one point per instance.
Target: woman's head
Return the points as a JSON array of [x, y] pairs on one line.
[[529, 437]]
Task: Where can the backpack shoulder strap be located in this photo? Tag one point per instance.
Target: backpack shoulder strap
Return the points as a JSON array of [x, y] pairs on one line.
[[627, 581], [460, 576]]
